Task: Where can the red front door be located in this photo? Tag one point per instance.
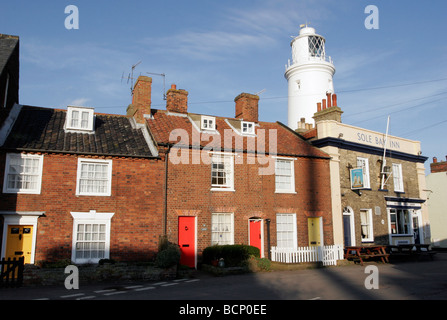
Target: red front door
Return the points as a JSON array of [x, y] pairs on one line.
[[187, 240], [256, 234]]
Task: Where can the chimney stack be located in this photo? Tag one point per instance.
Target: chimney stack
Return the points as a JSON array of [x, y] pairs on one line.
[[177, 100], [327, 109], [438, 166], [247, 107], [141, 99]]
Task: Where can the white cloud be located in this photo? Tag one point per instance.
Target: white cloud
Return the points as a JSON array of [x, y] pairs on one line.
[[237, 31], [79, 102]]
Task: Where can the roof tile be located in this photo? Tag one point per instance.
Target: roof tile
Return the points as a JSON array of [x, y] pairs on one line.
[[42, 129], [163, 124]]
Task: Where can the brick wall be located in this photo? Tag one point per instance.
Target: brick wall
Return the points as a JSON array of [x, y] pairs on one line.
[[189, 194], [136, 200]]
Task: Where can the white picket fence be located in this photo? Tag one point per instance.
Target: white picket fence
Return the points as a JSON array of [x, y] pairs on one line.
[[328, 255]]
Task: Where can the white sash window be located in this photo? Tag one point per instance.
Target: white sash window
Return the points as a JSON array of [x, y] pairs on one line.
[[222, 172], [23, 173], [94, 177], [397, 177], [286, 234], [222, 228]]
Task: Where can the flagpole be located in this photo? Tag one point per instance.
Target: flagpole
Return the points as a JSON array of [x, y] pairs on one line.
[[384, 153]]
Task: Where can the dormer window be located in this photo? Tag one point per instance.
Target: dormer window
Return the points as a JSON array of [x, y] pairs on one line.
[[208, 123], [79, 119], [248, 127]]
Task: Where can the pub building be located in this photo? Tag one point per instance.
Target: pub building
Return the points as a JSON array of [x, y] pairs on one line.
[[377, 180]]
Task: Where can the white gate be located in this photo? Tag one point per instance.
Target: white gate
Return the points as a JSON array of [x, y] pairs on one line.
[[328, 255]]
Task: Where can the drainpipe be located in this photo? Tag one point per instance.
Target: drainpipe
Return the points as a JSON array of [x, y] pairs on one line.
[[165, 209], [268, 239]]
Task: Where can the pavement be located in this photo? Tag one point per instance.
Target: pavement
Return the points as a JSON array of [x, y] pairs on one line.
[[406, 280]]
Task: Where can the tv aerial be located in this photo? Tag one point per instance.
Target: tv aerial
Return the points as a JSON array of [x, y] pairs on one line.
[[260, 92], [164, 82], [130, 77]]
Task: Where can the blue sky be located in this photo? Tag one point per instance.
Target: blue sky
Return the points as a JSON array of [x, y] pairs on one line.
[[218, 49]]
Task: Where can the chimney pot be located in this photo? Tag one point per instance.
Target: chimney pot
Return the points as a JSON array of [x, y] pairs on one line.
[[435, 160], [329, 102], [318, 106], [324, 104], [334, 100]]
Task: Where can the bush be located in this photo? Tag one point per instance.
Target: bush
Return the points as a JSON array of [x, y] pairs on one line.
[[256, 264], [168, 254], [233, 255]]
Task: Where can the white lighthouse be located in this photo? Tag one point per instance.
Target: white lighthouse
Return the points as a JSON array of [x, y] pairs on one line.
[[309, 76]]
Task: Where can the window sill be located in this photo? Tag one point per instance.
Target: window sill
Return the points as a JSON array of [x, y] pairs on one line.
[[222, 189], [92, 195], [21, 192], [285, 192]]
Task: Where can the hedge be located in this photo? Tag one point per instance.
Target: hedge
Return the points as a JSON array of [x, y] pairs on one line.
[[235, 255]]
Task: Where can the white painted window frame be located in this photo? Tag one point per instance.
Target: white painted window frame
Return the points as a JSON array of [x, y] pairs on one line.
[[291, 188], [90, 119], [368, 225], [108, 192], [292, 241], [228, 161], [38, 188], [398, 178], [216, 233], [247, 128], [205, 123], [91, 217]]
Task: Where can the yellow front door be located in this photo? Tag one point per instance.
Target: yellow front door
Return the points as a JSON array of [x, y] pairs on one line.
[[19, 242], [313, 226]]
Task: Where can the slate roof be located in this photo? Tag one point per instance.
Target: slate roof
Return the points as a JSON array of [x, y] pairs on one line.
[[7, 45], [42, 129], [288, 143]]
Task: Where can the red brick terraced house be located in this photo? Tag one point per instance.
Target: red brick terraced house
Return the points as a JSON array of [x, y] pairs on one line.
[[78, 185], [236, 180]]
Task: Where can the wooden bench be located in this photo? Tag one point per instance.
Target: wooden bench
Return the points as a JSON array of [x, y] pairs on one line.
[[366, 252], [411, 250]]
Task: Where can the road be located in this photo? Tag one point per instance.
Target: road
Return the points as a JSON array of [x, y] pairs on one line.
[[423, 280]]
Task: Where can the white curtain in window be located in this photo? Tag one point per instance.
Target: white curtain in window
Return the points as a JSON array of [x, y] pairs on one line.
[[364, 221], [222, 228]]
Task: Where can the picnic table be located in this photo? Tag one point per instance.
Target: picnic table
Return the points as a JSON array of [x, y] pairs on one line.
[[366, 252], [411, 250]]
